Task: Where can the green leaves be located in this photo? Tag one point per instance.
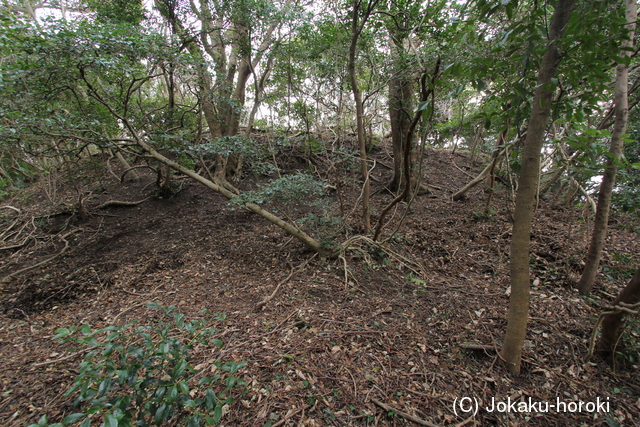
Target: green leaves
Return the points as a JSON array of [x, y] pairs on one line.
[[288, 189], [69, 419], [141, 374]]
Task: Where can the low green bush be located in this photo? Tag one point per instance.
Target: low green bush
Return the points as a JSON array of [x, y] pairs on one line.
[[139, 375]]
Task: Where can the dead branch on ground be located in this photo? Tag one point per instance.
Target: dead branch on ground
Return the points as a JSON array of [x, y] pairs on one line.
[[121, 203], [403, 414], [266, 300], [41, 263]]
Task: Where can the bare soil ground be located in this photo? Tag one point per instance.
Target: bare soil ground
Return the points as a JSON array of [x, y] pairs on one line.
[[327, 350]]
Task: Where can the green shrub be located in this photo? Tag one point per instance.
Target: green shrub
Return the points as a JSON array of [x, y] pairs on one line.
[[140, 375], [287, 189]]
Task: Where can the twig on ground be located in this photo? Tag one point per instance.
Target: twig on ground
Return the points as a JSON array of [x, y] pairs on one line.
[[465, 422], [41, 263], [62, 359], [121, 203], [403, 414], [462, 170], [476, 346], [288, 416], [18, 246], [15, 221], [142, 304], [266, 300], [10, 207]]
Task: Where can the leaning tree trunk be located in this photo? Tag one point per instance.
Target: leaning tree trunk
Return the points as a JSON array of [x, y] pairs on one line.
[[527, 185], [612, 325], [621, 109], [291, 229]]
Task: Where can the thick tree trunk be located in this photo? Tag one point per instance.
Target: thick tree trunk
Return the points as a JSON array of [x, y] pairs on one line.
[[612, 325], [621, 108], [527, 186], [400, 115]]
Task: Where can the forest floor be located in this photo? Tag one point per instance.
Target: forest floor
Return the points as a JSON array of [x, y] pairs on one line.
[[415, 328]]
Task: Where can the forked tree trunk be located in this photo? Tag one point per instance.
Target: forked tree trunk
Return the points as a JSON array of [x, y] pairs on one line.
[[527, 186], [621, 108], [232, 60], [400, 107], [259, 91], [612, 325]]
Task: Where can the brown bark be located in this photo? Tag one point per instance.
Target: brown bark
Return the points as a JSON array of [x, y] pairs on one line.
[[495, 157], [621, 109], [356, 29], [474, 144], [518, 315], [400, 114], [233, 62], [259, 91], [612, 324], [424, 95], [492, 171]]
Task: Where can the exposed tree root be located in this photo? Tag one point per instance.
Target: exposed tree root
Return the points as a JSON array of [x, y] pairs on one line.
[[41, 263], [351, 244], [266, 300], [631, 309], [121, 203], [10, 207], [132, 169]]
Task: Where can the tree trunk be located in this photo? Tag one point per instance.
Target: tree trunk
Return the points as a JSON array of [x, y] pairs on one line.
[[518, 315], [356, 29], [259, 91], [492, 171], [612, 325], [400, 114], [621, 109], [233, 61], [474, 145], [127, 167], [460, 194]]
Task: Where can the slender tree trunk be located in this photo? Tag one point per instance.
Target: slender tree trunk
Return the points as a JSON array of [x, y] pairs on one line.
[[356, 29], [621, 108], [612, 325], [527, 187], [492, 172], [495, 157], [259, 91], [424, 96], [474, 145]]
